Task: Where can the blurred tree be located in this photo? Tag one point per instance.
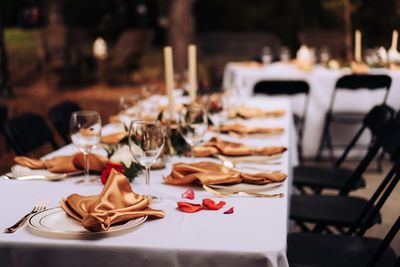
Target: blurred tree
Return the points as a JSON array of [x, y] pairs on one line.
[[180, 32], [5, 81]]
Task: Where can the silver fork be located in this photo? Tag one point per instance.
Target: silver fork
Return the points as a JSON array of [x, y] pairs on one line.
[[40, 206]]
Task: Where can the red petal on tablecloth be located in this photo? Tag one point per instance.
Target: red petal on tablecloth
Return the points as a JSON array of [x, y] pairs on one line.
[[229, 211], [188, 207], [188, 194], [211, 205]]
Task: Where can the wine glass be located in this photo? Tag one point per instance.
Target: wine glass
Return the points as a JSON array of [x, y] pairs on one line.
[[85, 129], [219, 116], [128, 108], [266, 56], [146, 140], [193, 124]]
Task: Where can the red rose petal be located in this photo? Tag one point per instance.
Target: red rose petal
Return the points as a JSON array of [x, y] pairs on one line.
[[188, 207], [229, 211], [188, 194], [211, 205]]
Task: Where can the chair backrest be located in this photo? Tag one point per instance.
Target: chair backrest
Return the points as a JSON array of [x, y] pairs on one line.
[[375, 120], [28, 132], [364, 81], [288, 88], [388, 139], [282, 87], [385, 244], [60, 116]]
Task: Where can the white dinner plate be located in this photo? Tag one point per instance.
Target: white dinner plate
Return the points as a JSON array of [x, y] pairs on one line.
[[245, 187], [56, 222]]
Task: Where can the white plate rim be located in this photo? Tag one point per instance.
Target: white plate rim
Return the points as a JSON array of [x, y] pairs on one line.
[[129, 224]]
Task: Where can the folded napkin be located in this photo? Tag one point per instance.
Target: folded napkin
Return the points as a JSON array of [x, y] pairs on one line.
[[114, 138], [63, 164], [209, 173], [248, 113], [218, 146], [250, 64], [243, 129], [116, 203], [359, 67]]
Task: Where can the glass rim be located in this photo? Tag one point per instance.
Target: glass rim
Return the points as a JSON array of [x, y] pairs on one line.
[[145, 121]]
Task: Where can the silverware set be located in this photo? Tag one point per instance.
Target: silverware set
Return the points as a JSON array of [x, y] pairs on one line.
[[40, 206]]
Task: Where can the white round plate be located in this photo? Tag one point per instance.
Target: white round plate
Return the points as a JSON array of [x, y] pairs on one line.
[[246, 187], [19, 170], [56, 221]]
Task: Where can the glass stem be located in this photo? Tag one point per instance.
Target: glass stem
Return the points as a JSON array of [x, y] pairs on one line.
[[148, 187], [192, 153], [86, 159]]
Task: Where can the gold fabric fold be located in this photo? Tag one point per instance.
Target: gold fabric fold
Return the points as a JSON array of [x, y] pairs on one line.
[[64, 164], [243, 129], [210, 173], [248, 113], [114, 138], [218, 146], [359, 67], [116, 203]]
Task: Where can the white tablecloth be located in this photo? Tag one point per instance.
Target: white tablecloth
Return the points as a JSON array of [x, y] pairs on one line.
[[255, 235], [322, 81]]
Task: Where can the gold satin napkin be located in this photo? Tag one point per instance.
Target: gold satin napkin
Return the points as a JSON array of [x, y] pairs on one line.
[[243, 129], [218, 146], [116, 203], [248, 113], [210, 173], [64, 164], [114, 138], [359, 67]]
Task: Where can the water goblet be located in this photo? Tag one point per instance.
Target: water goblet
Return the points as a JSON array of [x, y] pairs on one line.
[[193, 124], [85, 129], [146, 141]]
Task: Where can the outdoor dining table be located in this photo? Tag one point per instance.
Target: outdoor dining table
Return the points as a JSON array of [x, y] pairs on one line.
[[254, 235], [242, 76]]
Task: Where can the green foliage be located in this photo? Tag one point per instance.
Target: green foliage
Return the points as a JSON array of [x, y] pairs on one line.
[[132, 171]]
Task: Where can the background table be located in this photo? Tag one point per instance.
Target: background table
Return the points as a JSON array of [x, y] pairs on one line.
[[255, 235], [243, 77]]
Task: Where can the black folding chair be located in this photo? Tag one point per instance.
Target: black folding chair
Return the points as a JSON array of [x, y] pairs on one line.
[[319, 178], [349, 82], [333, 250], [28, 132], [289, 88], [60, 116], [344, 213]]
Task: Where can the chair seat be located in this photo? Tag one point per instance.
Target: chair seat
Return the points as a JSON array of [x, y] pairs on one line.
[[340, 211], [333, 250], [317, 177], [347, 117]]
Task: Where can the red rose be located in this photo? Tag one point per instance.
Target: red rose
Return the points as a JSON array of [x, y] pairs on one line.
[[109, 166]]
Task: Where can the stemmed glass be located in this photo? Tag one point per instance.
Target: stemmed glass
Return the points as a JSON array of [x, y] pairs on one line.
[[193, 124], [146, 140], [128, 108], [85, 129]]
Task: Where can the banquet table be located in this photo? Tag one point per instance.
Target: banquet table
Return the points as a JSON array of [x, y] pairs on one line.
[[242, 77], [254, 235]]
